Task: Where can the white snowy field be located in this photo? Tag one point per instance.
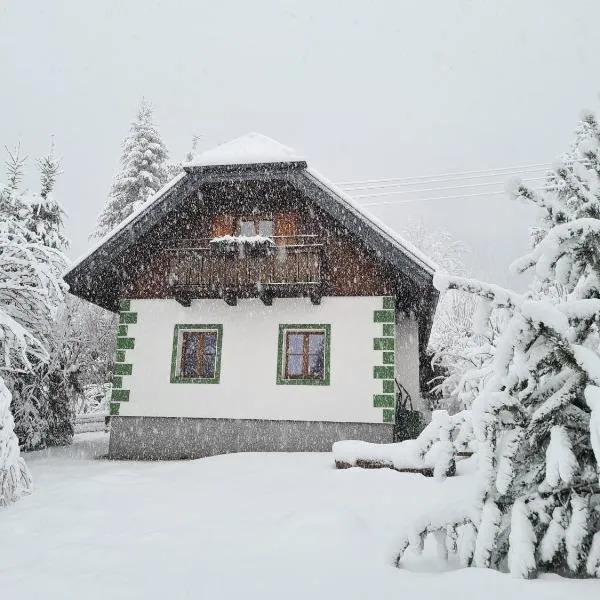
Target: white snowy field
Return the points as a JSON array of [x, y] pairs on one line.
[[252, 526]]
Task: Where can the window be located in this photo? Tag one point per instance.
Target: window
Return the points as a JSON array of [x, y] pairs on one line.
[[249, 226], [303, 356], [196, 354]]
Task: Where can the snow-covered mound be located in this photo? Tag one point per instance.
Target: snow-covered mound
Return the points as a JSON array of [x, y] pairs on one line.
[[432, 453]]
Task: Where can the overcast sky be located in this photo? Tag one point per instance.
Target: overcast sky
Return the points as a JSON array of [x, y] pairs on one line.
[[363, 89]]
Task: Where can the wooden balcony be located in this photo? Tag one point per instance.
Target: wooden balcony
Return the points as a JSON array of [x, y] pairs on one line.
[[196, 270]]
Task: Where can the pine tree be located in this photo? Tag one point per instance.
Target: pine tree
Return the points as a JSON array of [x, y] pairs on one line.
[[29, 291], [46, 214], [537, 420], [34, 263], [143, 172]]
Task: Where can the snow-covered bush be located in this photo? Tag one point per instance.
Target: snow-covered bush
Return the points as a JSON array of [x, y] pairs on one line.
[[15, 479], [462, 339], [94, 400], [537, 419]]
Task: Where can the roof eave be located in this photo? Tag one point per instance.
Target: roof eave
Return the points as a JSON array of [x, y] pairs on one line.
[[244, 167]]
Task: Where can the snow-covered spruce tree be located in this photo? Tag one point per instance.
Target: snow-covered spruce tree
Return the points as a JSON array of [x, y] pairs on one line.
[[33, 231], [537, 420], [28, 293], [46, 215], [143, 171], [56, 379]]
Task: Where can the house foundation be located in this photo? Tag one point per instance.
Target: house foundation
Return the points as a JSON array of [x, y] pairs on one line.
[[166, 438]]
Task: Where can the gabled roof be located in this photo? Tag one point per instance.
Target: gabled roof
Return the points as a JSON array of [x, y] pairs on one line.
[[257, 157]]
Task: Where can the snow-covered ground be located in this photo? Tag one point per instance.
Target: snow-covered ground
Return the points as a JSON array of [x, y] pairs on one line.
[[238, 526]]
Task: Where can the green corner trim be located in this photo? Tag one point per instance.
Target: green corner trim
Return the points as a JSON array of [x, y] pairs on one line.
[[123, 369], [388, 415], [124, 305], [383, 372], [120, 356], [128, 318], [175, 378], [283, 328], [120, 396], [122, 330], [384, 400], [389, 302], [117, 381], [388, 329], [125, 343], [386, 343], [114, 408], [388, 358], [388, 386], [384, 316]]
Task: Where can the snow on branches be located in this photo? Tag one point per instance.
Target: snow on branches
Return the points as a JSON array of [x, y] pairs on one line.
[[143, 171], [537, 418], [15, 479]]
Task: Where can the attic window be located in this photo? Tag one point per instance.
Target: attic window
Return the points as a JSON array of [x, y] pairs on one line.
[[196, 354], [250, 226]]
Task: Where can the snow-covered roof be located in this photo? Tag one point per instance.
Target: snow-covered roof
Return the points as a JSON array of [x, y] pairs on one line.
[[249, 149], [381, 227], [125, 222], [244, 157]]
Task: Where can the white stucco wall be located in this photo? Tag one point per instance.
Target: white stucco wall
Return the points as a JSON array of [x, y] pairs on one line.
[[247, 387], [407, 357]]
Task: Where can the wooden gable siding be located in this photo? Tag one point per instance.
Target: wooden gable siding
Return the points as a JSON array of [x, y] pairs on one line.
[[350, 269]]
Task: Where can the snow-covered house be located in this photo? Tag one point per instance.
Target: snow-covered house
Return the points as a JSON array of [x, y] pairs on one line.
[[260, 309]]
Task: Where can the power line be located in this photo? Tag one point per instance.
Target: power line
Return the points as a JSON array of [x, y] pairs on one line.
[[427, 199], [438, 189], [366, 186], [537, 166]]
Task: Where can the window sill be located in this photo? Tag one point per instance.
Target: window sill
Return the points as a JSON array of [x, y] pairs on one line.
[[194, 380], [281, 381]]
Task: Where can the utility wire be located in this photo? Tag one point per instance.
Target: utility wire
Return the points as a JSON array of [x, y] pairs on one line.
[[438, 189], [367, 186], [496, 171], [427, 199]]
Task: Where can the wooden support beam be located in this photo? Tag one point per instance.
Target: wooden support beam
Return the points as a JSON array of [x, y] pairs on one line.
[[230, 298], [184, 299], [266, 296]]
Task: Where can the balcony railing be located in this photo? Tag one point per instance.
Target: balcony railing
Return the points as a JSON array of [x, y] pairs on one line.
[[197, 270]]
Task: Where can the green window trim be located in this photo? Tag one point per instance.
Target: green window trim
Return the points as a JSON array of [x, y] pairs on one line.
[[283, 329], [175, 378]]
